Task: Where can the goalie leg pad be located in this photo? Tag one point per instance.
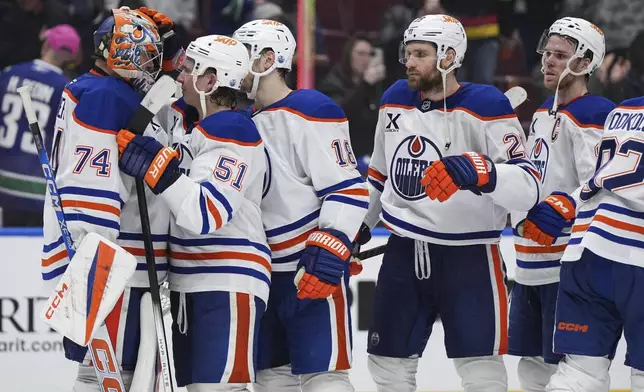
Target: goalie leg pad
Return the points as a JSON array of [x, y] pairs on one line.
[[216, 342]]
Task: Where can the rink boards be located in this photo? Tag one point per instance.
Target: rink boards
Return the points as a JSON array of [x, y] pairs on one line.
[[31, 357]]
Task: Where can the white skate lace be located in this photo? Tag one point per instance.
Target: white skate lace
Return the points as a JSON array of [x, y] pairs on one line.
[[421, 259]]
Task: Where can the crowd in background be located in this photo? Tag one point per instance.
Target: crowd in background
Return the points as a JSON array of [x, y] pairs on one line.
[[357, 42]]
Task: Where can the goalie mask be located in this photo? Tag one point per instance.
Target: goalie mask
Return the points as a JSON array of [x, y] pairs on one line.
[[259, 35], [227, 56], [130, 44], [585, 37]]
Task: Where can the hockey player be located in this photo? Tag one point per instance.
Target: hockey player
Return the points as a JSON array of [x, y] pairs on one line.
[[22, 187], [314, 201], [602, 275], [95, 196], [436, 136], [564, 133], [219, 261]]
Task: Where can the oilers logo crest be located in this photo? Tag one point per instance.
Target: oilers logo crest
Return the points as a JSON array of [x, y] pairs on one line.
[[411, 158], [540, 156]]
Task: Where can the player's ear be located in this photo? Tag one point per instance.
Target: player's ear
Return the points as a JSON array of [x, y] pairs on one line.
[[450, 56], [268, 60]]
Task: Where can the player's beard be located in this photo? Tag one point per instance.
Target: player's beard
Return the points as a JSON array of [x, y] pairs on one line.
[[430, 82]]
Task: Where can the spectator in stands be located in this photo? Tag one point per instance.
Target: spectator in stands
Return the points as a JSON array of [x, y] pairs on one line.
[[22, 22], [22, 186], [625, 78], [356, 84], [485, 22]]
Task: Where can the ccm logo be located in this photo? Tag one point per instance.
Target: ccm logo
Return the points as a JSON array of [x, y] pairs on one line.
[[555, 201], [55, 302], [572, 327]]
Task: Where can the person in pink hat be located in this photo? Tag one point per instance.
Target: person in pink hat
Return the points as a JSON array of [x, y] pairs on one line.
[[22, 186]]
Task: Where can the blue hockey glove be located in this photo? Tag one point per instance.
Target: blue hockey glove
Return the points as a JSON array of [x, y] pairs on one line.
[[547, 220], [470, 171], [143, 157], [322, 264]]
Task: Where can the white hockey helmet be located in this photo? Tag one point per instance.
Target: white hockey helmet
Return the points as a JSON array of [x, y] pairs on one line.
[[587, 36], [442, 30], [263, 34], [226, 55]]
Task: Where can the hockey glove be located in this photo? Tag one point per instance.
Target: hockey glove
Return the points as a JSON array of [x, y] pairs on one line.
[[547, 220], [143, 157], [322, 264], [364, 236], [470, 171], [173, 53]]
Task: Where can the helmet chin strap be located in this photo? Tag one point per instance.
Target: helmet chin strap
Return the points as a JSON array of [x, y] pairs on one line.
[[203, 95], [444, 72], [256, 76], [566, 71], [253, 91]]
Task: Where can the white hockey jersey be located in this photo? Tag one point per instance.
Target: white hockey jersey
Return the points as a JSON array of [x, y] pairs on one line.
[[96, 196], [411, 134], [610, 217], [311, 180], [217, 242], [562, 148]]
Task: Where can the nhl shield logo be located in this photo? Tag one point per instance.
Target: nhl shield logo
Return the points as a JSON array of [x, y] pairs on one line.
[[540, 157], [411, 158]]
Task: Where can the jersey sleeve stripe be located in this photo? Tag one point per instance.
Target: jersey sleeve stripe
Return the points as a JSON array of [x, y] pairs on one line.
[[92, 206], [139, 237], [346, 200], [49, 247], [143, 266], [538, 264], [91, 127], [74, 190], [540, 249], [110, 224], [51, 260], [292, 242], [55, 273], [293, 226], [377, 185], [214, 213], [225, 255], [222, 270], [228, 140], [220, 241], [353, 192], [306, 117], [375, 174], [287, 259], [342, 185], [220, 198], [141, 251], [205, 223]]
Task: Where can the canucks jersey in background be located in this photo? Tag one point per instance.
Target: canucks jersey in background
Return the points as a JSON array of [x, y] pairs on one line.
[[22, 185]]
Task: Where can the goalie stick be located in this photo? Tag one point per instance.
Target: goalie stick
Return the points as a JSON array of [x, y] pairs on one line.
[[107, 369], [516, 95], [158, 96]]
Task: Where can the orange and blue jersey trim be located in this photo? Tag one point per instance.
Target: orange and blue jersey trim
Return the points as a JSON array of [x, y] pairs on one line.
[[209, 209], [310, 105], [341, 193]]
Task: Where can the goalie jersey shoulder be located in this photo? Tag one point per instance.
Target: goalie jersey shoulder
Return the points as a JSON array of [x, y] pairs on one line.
[[103, 103]]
